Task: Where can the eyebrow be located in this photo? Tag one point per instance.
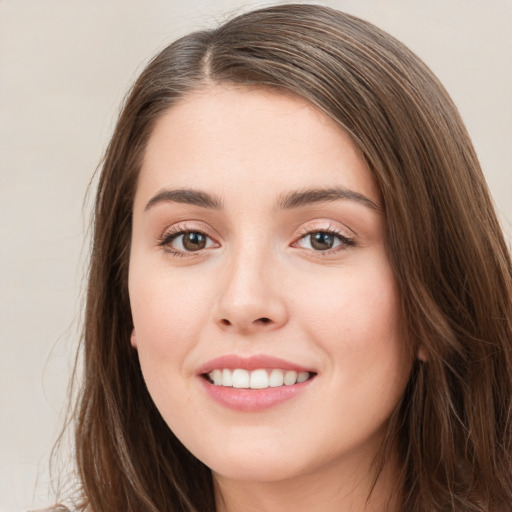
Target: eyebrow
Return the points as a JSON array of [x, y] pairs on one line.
[[187, 196], [288, 201], [321, 195]]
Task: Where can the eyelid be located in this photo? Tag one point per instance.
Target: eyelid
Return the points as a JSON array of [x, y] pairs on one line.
[[347, 240], [327, 225], [182, 228], [346, 237]]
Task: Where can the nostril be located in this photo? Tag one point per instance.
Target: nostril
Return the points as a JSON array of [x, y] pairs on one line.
[[259, 321]]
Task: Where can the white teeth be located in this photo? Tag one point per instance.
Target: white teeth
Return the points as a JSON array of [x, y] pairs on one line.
[[216, 376], [302, 376], [256, 379], [226, 378], [259, 379], [276, 378], [290, 378], [240, 378]]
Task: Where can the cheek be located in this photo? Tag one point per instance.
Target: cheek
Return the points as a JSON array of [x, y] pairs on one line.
[[354, 310], [356, 322], [168, 314]]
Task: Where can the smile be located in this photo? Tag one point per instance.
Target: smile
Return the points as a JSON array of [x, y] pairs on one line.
[[254, 383], [260, 378]]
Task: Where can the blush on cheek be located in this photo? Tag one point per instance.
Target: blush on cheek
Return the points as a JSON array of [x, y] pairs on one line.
[[166, 327]]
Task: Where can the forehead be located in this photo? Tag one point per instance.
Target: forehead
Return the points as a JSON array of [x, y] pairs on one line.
[[243, 139]]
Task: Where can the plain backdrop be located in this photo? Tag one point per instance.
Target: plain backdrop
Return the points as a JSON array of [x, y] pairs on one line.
[[64, 68]]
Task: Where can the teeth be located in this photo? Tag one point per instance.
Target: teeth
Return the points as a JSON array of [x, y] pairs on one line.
[[216, 376], [257, 379], [240, 378], [290, 378], [276, 378], [226, 378], [302, 376]]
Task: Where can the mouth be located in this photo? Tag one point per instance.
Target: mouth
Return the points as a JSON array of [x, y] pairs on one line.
[[260, 378], [254, 383]]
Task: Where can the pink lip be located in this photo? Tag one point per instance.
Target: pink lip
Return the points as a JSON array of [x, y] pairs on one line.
[[251, 400], [232, 361]]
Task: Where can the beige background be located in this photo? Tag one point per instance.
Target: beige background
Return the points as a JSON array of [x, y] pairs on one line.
[[64, 67]]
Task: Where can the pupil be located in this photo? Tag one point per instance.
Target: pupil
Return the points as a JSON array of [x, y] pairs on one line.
[[194, 241], [322, 241]]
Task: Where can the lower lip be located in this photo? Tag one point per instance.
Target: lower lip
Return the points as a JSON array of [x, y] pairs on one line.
[[253, 400]]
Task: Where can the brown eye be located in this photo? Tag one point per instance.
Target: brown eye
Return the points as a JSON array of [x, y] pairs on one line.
[[194, 241], [183, 242], [322, 241]]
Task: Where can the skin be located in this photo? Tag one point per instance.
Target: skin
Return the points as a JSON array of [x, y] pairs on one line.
[[259, 286]]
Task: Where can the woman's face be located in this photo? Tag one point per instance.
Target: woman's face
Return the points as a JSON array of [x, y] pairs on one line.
[[258, 262]]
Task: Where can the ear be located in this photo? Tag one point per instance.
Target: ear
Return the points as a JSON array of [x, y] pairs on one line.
[[133, 339], [422, 354]]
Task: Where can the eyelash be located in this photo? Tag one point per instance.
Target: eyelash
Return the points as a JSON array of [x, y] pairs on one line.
[[175, 231], [346, 242]]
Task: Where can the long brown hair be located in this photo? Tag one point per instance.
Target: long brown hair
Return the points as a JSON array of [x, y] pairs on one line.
[[452, 265]]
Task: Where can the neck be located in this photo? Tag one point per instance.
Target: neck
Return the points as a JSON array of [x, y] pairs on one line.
[[333, 489]]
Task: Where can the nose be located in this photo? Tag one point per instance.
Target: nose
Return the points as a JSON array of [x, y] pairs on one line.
[[251, 295]]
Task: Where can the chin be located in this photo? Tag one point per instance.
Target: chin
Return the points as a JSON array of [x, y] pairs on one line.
[[254, 462], [259, 470]]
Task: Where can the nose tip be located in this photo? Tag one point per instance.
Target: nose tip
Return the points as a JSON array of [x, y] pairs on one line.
[[250, 300]]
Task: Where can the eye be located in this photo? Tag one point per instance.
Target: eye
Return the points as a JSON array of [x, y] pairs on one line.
[[179, 241], [323, 241], [190, 241]]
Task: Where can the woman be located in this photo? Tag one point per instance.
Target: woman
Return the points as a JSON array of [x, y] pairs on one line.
[[299, 294]]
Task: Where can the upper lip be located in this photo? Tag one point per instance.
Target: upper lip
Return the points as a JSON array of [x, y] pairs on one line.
[[255, 362]]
